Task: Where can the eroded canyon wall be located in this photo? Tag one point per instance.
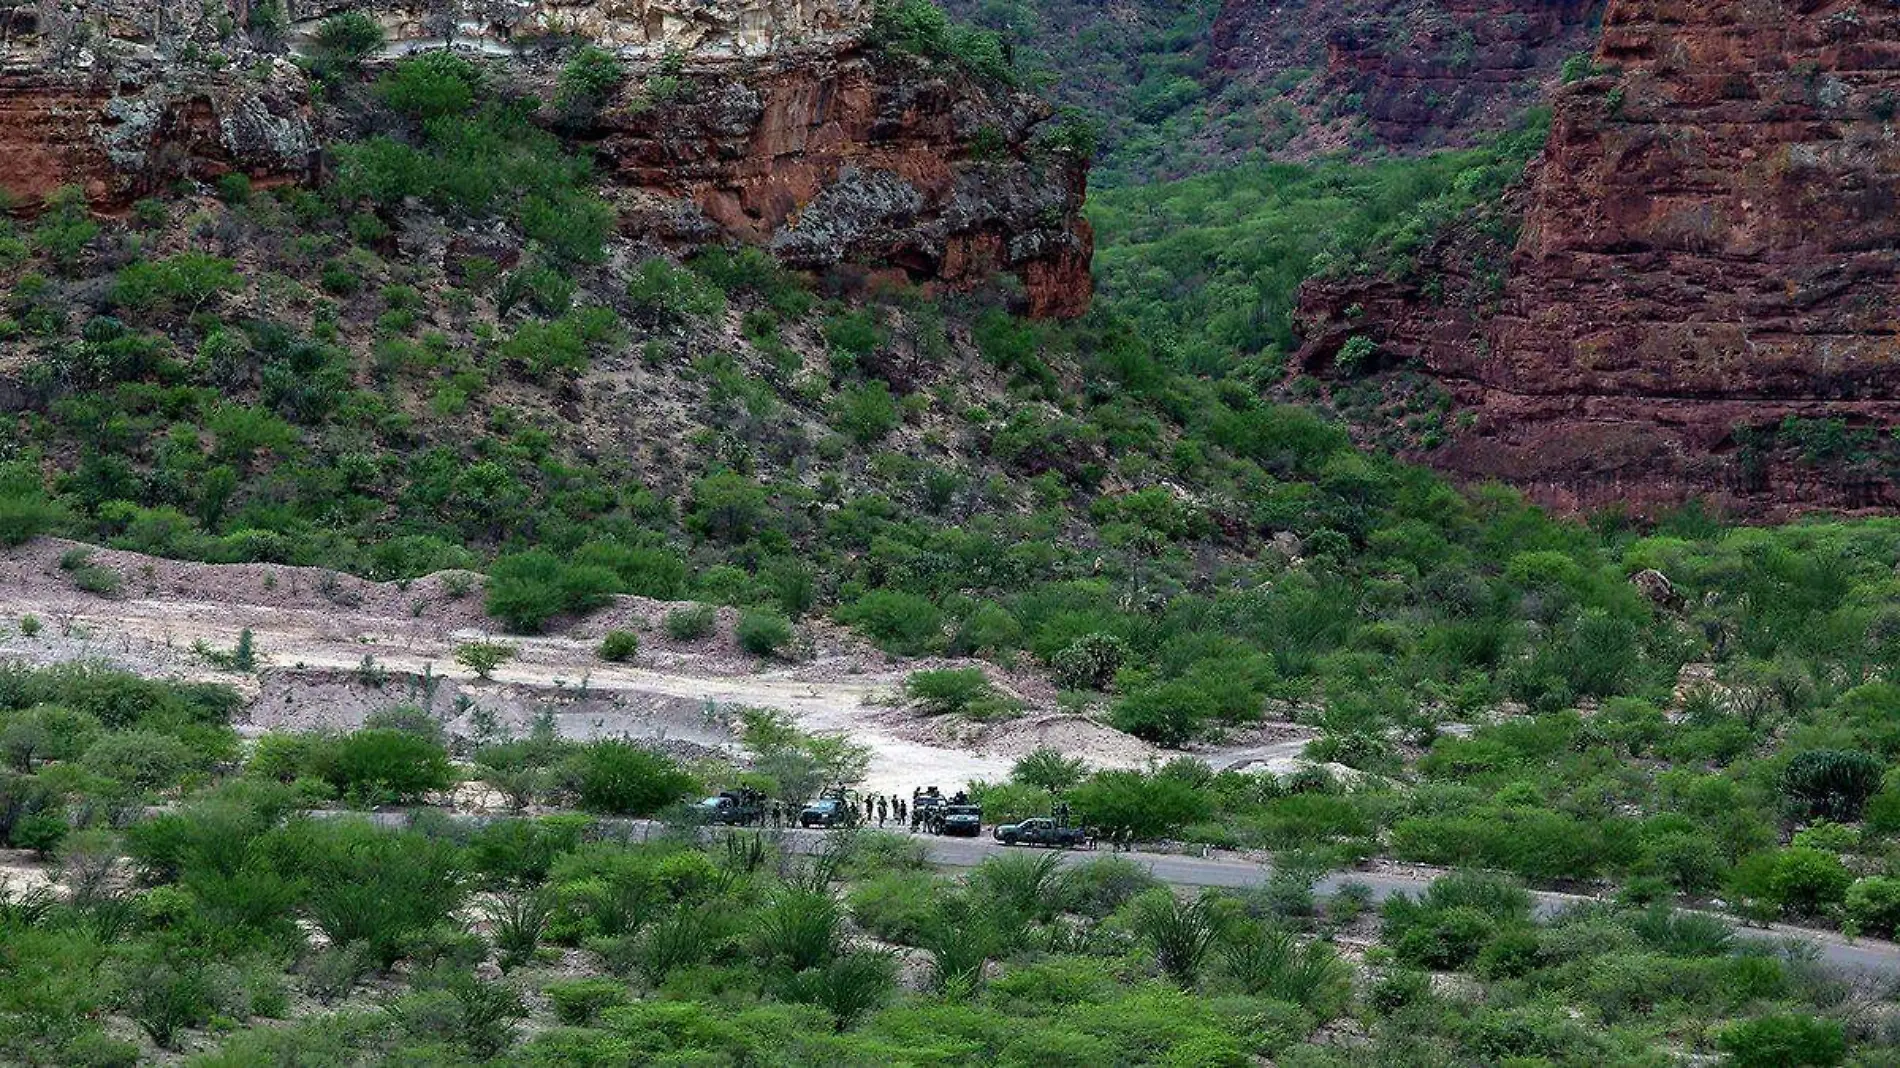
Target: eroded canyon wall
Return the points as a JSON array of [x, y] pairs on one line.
[[1705, 282], [784, 129], [1416, 74]]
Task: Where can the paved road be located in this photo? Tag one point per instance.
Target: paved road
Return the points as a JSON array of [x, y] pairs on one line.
[[1863, 957], [1866, 957]]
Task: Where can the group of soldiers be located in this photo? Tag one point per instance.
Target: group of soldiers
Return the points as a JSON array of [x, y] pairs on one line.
[[884, 810]]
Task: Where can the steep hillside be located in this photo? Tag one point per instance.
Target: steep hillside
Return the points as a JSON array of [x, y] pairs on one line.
[[775, 125], [1699, 303], [1184, 86]]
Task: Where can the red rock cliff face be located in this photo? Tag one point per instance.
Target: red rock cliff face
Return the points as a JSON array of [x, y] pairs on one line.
[[1707, 272], [1416, 73], [119, 135], [846, 161], [783, 129]]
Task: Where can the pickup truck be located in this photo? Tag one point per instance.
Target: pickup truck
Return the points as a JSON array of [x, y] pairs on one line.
[[1042, 831], [735, 809], [829, 812]]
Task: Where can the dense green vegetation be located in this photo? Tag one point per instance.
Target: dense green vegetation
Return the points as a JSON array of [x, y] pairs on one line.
[[1124, 504], [244, 930], [1213, 264]]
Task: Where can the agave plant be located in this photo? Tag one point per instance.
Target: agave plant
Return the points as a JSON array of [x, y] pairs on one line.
[[518, 921], [798, 927], [1179, 932], [848, 987], [1271, 963]]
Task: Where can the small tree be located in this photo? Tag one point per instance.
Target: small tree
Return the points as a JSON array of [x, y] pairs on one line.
[[690, 624], [342, 42], [587, 82], [622, 779], [381, 766], [1049, 769], [483, 657]]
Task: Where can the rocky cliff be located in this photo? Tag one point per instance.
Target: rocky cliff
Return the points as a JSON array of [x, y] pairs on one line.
[[1410, 74], [1701, 300], [777, 125]]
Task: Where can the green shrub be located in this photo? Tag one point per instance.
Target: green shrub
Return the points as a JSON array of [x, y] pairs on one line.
[[1099, 887], [866, 413], [1049, 770], [897, 906], [526, 590], [692, 623], [234, 188], [798, 929], [1797, 881], [727, 507], [184, 282], [98, 579], [1169, 715], [1148, 806], [463, 1012], [366, 885], [1445, 939], [144, 759], [900, 623], [342, 42], [1180, 933], [588, 81], [165, 990], [580, 1001], [1832, 784], [622, 779], [946, 691], [763, 633], [619, 646], [664, 296], [654, 572], [1785, 1041], [1873, 903], [483, 657], [25, 515], [849, 986], [431, 85], [381, 766], [1089, 662]]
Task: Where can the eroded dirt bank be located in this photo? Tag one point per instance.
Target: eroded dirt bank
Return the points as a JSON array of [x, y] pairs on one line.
[[332, 648]]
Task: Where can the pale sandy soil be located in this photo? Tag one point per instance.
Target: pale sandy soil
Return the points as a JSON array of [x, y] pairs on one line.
[[312, 630]]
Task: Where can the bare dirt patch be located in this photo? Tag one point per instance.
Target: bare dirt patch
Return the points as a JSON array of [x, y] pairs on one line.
[[333, 648]]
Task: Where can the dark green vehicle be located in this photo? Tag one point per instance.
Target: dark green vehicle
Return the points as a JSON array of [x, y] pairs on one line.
[[742, 808], [1042, 831], [959, 821], [829, 812]]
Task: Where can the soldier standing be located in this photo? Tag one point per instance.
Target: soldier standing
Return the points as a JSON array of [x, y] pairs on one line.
[[883, 809], [868, 806]]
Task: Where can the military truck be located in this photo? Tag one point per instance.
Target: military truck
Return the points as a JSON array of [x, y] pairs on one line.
[[834, 808], [958, 821], [1042, 831], [740, 808]]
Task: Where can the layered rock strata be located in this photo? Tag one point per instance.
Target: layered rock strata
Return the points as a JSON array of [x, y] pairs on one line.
[[1702, 299]]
